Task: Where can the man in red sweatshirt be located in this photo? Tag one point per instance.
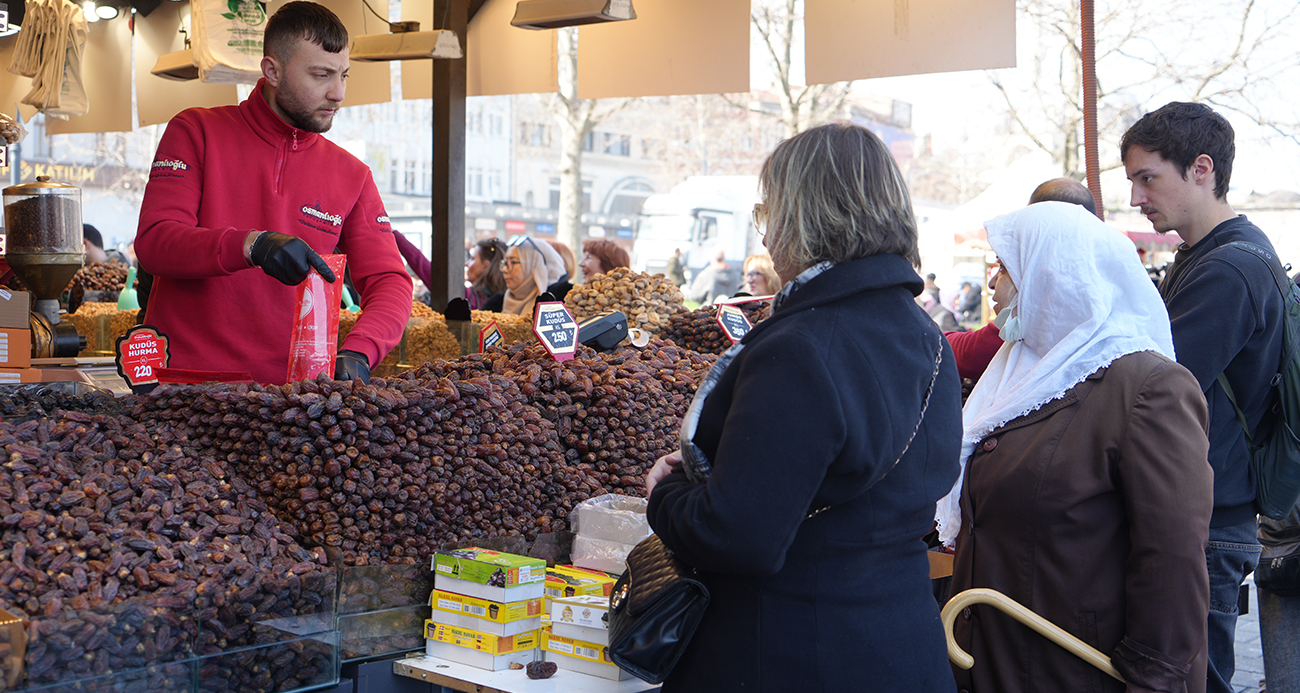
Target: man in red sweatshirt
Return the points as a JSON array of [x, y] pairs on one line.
[[243, 200]]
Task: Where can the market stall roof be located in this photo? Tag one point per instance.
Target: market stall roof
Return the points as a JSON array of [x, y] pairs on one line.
[[673, 47]]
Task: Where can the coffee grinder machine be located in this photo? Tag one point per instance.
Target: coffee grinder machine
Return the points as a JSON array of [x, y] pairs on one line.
[[44, 248]]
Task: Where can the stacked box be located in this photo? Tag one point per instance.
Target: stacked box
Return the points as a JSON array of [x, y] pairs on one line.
[[15, 336], [477, 649], [571, 581], [584, 657], [486, 608], [582, 618]]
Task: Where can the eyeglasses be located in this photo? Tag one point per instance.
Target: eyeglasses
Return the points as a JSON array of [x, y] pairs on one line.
[[760, 218], [510, 262], [753, 273]]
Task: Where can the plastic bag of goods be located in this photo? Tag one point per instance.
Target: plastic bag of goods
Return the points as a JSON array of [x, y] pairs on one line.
[[313, 341], [228, 39], [607, 528]]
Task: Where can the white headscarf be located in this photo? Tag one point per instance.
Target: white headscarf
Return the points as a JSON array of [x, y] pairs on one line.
[[542, 266], [1084, 300]]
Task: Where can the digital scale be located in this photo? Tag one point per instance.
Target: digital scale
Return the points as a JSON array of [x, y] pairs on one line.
[[96, 371]]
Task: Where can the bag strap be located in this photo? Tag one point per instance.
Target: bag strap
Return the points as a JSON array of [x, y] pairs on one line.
[[925, 404], [1284, 285]]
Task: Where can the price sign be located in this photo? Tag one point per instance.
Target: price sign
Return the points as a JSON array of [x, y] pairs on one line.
[[489, 336], [141, 352], [733, 322], [556, 329]]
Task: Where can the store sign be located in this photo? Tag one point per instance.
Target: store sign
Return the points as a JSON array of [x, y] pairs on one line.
[[556, 329], [516, 226], [545, 228], [733, 322], [489, 336], [485, 224], [624, 233], [141, 353]]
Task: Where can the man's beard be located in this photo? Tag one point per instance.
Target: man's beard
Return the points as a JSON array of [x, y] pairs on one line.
[[300, 116]]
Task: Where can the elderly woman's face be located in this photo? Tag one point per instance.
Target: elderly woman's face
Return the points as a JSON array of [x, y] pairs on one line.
[[1003, 288], [590, 266], [513, 269]]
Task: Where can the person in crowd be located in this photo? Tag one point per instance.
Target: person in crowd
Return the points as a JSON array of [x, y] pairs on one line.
[[94, 244], [600, 256], [530, 267], [808, 531], [1086, 492], [761, 278], [251, 186], [570, 266], [1227, 320], [676, 272], [975, 349], [483, 277], [966, 304], [716, 280], [930, 295]]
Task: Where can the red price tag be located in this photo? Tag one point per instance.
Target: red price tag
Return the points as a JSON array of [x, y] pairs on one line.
[[141, 352], [489, 336], [733, 322], [556, 329]]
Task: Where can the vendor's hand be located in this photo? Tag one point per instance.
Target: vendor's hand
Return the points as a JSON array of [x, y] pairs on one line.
[[351, 365], [663, 467], [287, 258]]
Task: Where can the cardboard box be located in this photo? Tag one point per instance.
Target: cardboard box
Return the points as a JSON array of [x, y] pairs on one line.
[[15, 348], [482, 615], [10, 376], [491, 568], [588, 611], [501, 595], [15, 310], [595, 636], [568, 581], [475, 658], [582, 657], [483, 642]]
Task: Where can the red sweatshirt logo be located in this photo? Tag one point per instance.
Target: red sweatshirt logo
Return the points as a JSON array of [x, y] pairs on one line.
[[315, 217], [168, 168]]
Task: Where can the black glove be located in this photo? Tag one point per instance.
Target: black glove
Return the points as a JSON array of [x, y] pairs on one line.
[[350, 365], [287, 258]]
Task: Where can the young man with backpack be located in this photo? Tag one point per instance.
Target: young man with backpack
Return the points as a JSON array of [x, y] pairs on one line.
[[1227, 318]]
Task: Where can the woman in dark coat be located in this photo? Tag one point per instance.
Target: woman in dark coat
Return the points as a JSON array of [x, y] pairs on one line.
[[841, 600], [1086, 493]]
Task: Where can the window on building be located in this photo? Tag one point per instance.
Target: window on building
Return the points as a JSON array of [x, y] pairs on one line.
[[618, 145], [589, 142], [474, 181], [496, 186]]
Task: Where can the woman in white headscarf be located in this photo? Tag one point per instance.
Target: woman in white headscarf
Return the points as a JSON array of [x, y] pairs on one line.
[[530, 268], [1085, 492]]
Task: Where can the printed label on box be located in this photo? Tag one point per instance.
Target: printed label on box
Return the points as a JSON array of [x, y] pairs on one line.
[[575, 648], [482, 608]]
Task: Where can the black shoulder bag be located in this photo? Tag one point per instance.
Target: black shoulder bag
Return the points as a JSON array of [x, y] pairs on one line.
[[657, 604]]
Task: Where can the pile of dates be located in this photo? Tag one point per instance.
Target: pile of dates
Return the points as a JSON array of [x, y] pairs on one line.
[[698, 330], [102, 276]]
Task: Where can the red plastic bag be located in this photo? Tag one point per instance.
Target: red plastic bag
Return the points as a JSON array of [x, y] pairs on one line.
[[313, 343]]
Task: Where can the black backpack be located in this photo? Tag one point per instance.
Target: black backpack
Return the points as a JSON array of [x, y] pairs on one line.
[[1277, 459]]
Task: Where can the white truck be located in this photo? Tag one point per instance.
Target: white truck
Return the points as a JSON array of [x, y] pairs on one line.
[[701, 215]]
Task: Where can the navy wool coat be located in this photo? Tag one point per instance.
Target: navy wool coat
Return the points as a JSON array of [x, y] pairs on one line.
[[813, 411]]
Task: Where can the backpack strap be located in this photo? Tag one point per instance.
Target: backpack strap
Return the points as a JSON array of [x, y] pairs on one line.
[[1285, 286]]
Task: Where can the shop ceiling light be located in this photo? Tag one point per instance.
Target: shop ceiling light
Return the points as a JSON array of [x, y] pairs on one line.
[[405, 41], [554, 14], [89, 11], [106, 11]]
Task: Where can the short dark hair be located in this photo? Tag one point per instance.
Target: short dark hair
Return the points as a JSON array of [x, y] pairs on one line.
[[303, 20], [91, 234], [931, 276], [1064, 190], [1179, 132]]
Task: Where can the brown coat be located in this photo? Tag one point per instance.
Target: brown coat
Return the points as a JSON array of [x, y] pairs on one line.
[[1093, 511]]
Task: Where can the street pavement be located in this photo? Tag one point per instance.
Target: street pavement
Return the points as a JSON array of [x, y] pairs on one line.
[[1250, 658]]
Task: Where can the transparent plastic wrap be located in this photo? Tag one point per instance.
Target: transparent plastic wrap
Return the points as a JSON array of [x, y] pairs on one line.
[[607, 527], [611, 517]]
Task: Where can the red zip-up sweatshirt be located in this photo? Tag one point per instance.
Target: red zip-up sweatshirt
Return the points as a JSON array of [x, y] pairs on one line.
[[217, 175]]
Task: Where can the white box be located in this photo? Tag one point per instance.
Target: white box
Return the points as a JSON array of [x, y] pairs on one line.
[[477, 658], [596, 636], [588, 611], [585, 666], [485, 626], [518, 593]]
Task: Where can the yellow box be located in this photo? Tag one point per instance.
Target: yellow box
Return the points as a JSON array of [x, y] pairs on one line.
[[566, 581], [451, 602], [15, 348], [589, 651], [483, 642]]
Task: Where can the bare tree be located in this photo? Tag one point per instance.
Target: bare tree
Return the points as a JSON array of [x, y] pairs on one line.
[[800, 107], [1233, 56], [576, 118]]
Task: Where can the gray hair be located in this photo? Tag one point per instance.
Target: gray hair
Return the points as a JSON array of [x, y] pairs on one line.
[[834, 193]]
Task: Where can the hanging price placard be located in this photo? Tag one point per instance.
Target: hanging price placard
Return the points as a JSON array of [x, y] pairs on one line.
[[489, 336], [556, 329], [733, 322], [141, 353]]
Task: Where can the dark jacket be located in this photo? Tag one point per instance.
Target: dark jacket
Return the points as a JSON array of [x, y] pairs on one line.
[[1226, 313], [816, 407], [1092, 511]]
